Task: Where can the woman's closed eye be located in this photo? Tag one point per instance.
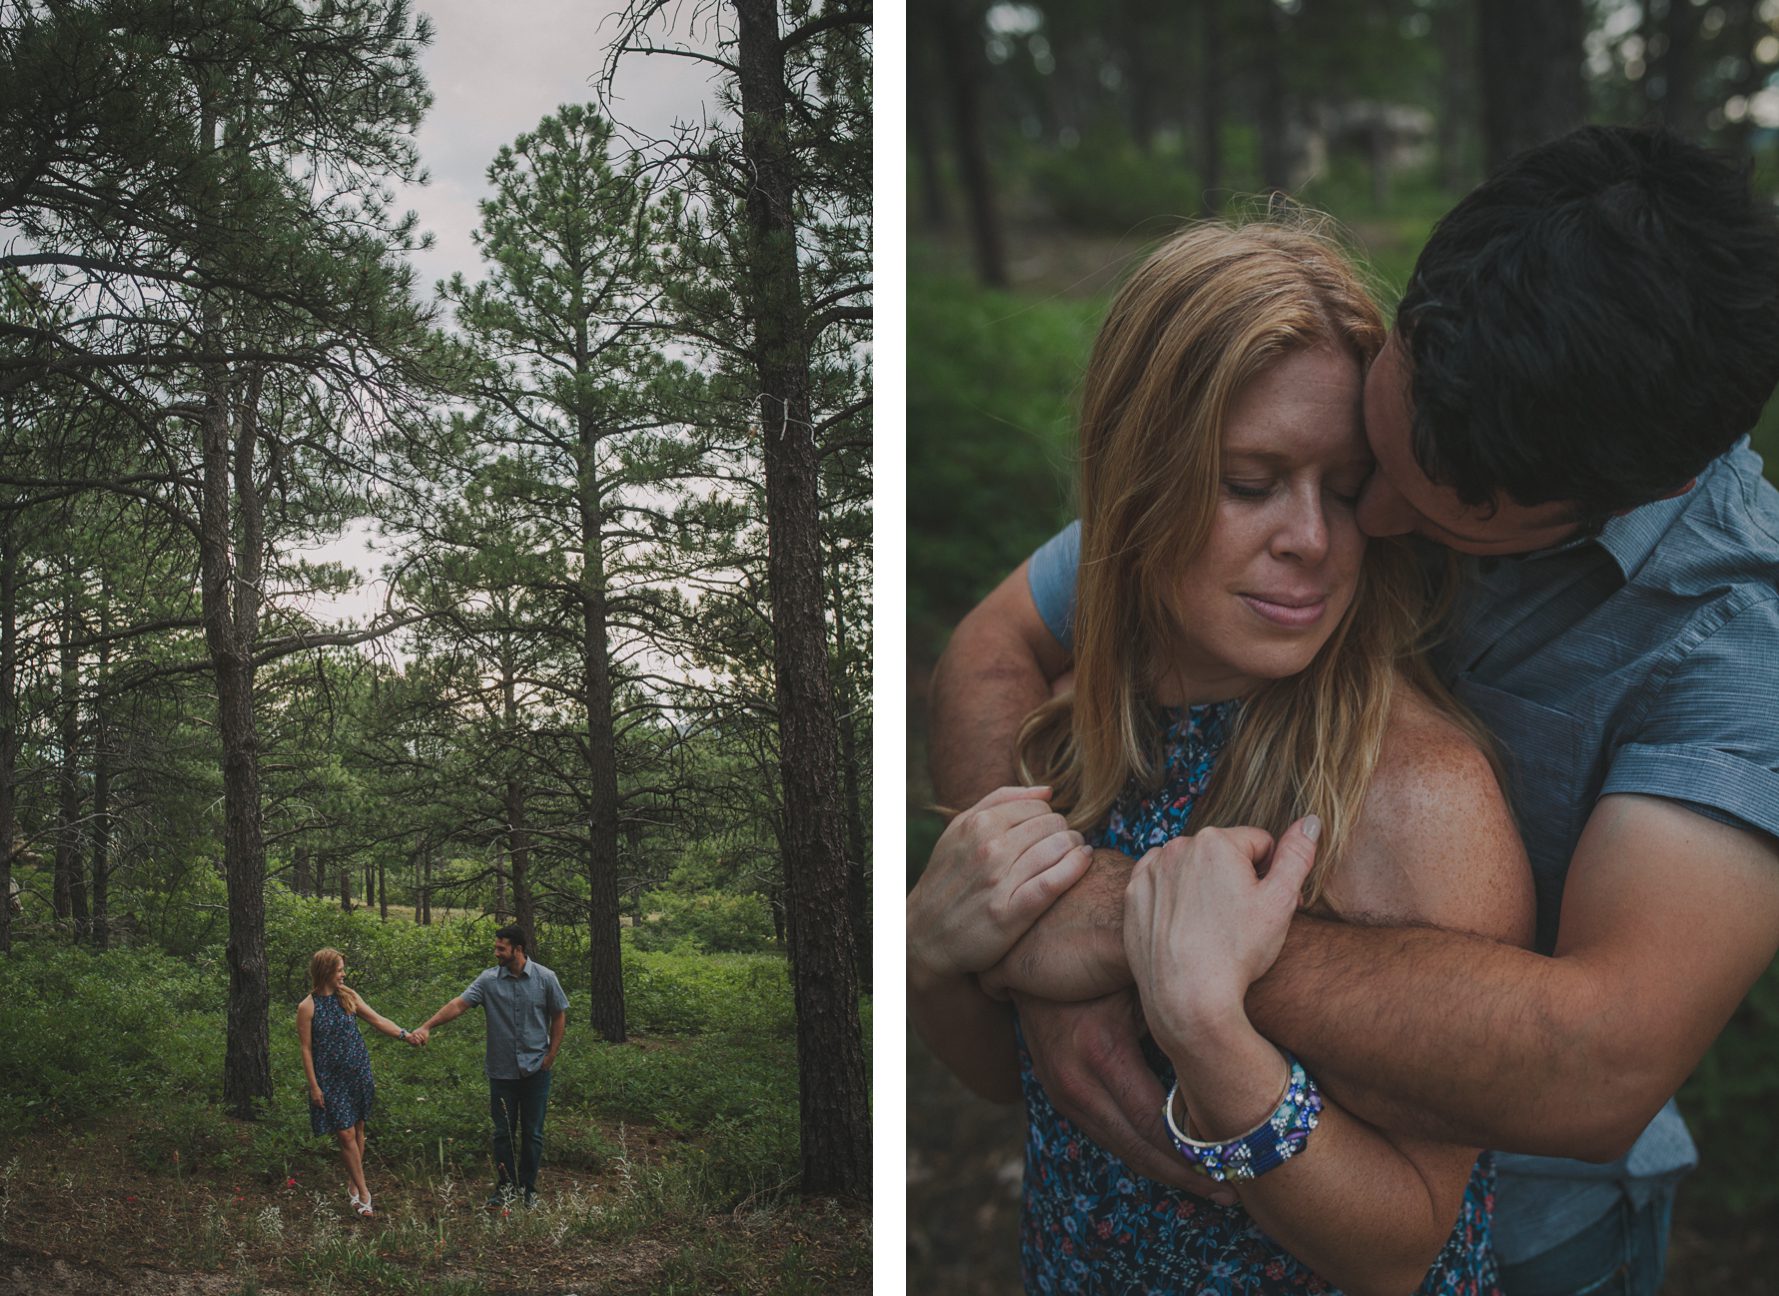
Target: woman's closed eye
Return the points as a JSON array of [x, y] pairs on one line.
[[1248, 490]]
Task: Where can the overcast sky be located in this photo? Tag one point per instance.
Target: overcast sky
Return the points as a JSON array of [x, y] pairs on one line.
[[496, 70]]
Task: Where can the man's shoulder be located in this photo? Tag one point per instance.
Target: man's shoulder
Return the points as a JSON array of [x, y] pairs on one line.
[[540, 971]]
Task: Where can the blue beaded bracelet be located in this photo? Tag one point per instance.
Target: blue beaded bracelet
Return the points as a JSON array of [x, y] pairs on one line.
[[1268, 1145]]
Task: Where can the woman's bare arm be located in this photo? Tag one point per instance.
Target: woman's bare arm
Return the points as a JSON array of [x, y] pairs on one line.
[[305, 1037], [1367, 1209]]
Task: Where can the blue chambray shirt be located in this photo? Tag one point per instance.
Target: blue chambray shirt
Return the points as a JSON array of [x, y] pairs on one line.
[[1643, 660], [519, 1010]]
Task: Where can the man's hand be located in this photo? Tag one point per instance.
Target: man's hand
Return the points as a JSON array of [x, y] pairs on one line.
[[1075, 951], [1089, 1059], [418, 1037]]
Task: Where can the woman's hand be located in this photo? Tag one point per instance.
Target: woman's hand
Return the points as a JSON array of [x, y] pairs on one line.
[[997, 867], [1201, 924], [316, 1097]]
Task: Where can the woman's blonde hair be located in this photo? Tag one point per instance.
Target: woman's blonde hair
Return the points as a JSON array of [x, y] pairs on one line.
[[1209, 311], [324, 966]]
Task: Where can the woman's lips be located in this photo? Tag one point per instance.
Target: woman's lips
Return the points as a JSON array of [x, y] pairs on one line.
[[1293, 615]]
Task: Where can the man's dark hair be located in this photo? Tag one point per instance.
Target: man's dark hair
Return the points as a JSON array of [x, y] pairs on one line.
[[512, 934], [1596, 322]]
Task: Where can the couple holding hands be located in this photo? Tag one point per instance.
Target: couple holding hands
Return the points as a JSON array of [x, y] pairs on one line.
[[527, 1012]]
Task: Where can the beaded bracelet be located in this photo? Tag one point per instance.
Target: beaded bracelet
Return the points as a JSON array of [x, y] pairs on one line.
[[1268, 1145]]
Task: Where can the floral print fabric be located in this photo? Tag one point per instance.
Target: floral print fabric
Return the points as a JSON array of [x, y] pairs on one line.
[[1092, 1225], [342, 1066]]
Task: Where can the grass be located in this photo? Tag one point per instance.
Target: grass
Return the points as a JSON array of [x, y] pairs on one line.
[[116, 1158]]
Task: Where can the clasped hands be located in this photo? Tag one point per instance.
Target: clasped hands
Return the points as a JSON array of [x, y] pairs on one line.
[[1197, 919], [419, 1037]]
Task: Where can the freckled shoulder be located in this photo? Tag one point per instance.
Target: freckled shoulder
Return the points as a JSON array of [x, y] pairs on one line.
[[1435, 842], [307, 1006]]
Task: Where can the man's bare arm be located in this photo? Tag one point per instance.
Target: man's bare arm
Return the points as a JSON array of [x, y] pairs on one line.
[[994, 672], [1668, 918]]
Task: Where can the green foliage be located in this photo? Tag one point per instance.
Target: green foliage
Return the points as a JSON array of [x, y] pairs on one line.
[[1107, 184], [138, 1034], [991, 406], [718, 922]]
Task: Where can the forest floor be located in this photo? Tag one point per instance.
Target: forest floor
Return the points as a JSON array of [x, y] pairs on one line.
[[79, 1216]]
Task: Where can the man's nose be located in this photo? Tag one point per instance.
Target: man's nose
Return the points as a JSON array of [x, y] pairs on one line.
[[1382, 511]]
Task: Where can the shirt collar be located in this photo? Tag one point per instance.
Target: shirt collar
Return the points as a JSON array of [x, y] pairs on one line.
[[526, 973], [1630, 538]]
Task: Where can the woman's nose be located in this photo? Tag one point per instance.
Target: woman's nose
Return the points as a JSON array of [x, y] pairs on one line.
[[1303, 533]]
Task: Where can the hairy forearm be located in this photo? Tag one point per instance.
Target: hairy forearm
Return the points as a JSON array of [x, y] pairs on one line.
[[983, 688], [1075, 951], [450, 1012], [1454, 1038], [967, 1031]]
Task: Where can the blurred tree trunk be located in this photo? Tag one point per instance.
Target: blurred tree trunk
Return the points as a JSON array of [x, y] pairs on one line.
[[958, 28], [1531, 73], [302, 882], [1670, 82], [1746, 27], [346, 887], [1272, 116], [1454, 35], [1139, 70], [923, 135], [1210, 107]]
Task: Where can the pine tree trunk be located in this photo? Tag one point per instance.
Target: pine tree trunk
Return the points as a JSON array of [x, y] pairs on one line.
[[1531, 73], [963, 61], [858, 886], [346, 888], [1210, 108], [606, 997], [102, 778], [231, 618], [9, 735], [519, 851], [69, 893], [301, 881], [834, 1116]]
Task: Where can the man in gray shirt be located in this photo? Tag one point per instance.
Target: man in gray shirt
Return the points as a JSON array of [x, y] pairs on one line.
[[1581, 348], [527, 1013]]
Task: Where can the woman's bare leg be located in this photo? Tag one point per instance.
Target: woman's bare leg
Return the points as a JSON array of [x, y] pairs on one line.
[[354, 1164], [364, 1187]]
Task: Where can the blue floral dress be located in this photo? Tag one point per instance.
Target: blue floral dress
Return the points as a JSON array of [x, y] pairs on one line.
[[342, 1067], [1092, 1225]]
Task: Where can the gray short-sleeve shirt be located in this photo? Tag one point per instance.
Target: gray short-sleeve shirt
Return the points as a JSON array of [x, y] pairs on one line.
[[1642, 660], [519, 1010]]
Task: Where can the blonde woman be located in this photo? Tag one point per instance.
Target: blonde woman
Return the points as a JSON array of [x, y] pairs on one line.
[[341, 1090], [1242, 657]]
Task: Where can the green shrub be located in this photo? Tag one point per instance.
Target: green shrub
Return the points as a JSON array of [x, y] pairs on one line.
[[717, 922], [1107, 183]]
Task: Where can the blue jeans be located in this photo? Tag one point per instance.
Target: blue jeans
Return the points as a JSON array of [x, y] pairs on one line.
[[519, 1105], [1622, 1254]]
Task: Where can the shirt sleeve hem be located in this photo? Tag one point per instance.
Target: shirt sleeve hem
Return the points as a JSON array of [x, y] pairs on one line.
[[1746, 792]]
